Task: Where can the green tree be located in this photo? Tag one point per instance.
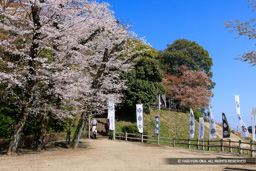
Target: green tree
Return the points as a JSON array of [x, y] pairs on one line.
[[143, 83], [245, 29], [188, 53]]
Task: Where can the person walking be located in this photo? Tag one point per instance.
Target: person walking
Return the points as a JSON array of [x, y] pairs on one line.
[[94, 134], [94, 124], [107, 127]]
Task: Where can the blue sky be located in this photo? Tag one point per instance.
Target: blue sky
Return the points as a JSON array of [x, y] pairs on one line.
[[162, 22]]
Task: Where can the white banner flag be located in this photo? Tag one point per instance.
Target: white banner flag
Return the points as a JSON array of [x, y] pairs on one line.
[[111, 107], [244, 130], [111, 115], [212, 131], [164, 99], [201, 128], [253, 124], [139, 115], [192, 124]]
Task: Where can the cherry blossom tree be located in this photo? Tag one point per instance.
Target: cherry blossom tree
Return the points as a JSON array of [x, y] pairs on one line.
[[191, 88], [61, 53]]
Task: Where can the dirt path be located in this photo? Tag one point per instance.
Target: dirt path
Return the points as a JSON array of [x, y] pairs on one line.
[[103, 154]]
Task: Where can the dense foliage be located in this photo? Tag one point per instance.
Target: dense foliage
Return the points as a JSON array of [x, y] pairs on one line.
[[187, 53], [143, 83], [190, 88]]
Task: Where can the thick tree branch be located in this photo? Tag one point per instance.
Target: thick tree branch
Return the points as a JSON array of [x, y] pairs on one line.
[[91, 37]]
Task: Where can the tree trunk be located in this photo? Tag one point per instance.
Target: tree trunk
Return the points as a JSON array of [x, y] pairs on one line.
[[40, 133], [35, 11], [69, 132], [15, 138], [79, 130]]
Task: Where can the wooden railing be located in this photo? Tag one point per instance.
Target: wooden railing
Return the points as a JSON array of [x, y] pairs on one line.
[[210, 145]]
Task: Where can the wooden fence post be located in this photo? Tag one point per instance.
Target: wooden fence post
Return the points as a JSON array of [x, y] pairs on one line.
[[221, 145], [125, 136], [114, 134], [230, 146], [142, 138], [173, 143], [89, 124], [252, 149], [203, 143], [240, 147], [188, 143], [158, 139], [209, 145], [197, 146]]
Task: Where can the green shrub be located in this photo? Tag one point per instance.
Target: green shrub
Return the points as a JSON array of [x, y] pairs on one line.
[[197, 114], [130, 129]]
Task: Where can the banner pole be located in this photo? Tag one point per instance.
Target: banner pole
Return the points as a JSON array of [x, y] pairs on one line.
[[159, 101]]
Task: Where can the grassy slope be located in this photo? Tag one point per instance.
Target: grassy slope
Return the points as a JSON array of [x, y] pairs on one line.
[[172, 124]]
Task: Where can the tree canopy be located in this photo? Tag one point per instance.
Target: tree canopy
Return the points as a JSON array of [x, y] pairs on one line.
[[187, 53], [143, 82], [62, 53], [190, 88]]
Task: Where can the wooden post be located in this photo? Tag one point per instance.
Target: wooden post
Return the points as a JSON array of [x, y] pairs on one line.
[[203, 143], [158, 139], [173, 142], [89, 132], [188, 143], [197, 146], [142, 138], [125, 136], [221, 145], [230, 146], [209, 148], [240, 147], [252, 149]]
